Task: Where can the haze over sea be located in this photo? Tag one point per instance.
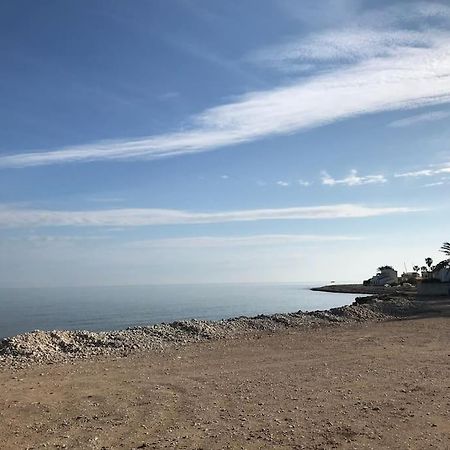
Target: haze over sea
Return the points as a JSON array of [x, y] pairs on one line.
[[117, 307]]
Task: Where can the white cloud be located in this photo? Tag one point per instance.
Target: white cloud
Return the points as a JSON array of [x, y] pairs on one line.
[[420, 118], [10, 217], [304, 183], [283, 183], [428, 172], [430, 9], [370, 34], [188, 242], [349, 44], [438, 183], [224, 177], [389, 70], [43, 239], [353, 179], [416, 173]]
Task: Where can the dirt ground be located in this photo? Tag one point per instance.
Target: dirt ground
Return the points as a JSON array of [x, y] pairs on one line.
[[378, 385]]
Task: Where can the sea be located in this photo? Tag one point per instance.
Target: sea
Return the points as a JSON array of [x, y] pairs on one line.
[[119, 307]]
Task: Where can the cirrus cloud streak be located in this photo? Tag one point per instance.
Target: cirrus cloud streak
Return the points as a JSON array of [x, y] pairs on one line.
[[239, 241], [413, 70], [134, 217], [427, 172], [353, 179], [420, 118]]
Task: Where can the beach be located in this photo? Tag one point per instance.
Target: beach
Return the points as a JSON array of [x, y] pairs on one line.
[[368, 383], [225, 225]]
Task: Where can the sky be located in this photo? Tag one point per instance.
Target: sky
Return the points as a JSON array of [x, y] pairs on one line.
[[198, 141]]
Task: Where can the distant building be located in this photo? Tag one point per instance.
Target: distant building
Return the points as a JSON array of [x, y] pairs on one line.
[[436, 283], [410, 276], [385, 275], [436, 289], [443, 275], [426, 274]]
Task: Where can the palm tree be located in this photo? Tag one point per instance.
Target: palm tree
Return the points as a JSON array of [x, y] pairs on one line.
[[429, 263], [446, 248], [416, 268], [424, 269], [446, 263], [442, 265]]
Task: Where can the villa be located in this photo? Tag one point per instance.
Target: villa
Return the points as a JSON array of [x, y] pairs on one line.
[[437, 282], [385, 275]]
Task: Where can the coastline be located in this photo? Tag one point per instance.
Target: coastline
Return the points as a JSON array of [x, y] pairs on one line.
[[359, 383], [44, 347], [367, 290]]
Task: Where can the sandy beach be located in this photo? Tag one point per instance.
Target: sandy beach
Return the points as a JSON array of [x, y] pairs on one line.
[[381, 384]]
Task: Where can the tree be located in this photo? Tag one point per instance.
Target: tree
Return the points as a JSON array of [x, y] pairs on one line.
[[416, 268], [424, 269], [446, 248], [446, 263], [381, 268], [429, 262], [442, 265]]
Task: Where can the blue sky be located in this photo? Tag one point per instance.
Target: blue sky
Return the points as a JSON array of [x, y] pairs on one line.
[[207, 141]]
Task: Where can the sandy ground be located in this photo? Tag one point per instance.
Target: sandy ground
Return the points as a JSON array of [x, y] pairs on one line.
[[378, 385]]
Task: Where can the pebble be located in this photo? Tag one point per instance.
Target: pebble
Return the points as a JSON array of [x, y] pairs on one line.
[[47, 347]]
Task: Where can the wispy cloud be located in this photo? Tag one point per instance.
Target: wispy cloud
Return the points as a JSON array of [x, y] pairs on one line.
[[239, 241], [168, 96], [304, 183], [342, 45], [388, 69], [190, 242], [374, 33], [323, 13], [353, 179], [143, 217], [43, 239], [437, 183], [283, 183], [416, 173], [426, 172], [105, 199], [420, 118]]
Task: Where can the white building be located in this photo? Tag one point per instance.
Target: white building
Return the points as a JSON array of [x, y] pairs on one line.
[[426, 274], [387, 275], [443, 275], [410, 276], [438, 284]]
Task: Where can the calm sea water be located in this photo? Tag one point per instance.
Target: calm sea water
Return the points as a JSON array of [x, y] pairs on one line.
[[110, 308]]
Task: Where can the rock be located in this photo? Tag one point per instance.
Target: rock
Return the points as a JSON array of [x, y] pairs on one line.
[[46, 347]]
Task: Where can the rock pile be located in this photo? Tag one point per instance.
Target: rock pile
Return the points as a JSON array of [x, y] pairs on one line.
[[56, 346]]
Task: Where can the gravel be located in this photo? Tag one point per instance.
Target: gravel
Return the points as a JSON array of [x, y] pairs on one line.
[[63, 346]]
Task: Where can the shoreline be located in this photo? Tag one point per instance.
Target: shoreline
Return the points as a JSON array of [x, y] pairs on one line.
[[108, 308], [364, 384], [47, 347], [367, 290]]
